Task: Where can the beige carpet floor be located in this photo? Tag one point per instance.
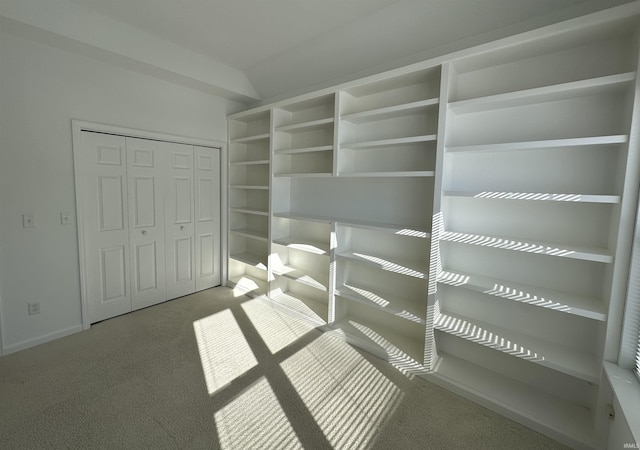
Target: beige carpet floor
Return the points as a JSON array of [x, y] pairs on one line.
[[211, 370]]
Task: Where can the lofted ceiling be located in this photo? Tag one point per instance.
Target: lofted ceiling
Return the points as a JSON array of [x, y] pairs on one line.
[[252, 50]]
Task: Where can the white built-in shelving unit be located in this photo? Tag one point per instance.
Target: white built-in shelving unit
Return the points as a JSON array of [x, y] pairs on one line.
[[467, 216], [249, 186]]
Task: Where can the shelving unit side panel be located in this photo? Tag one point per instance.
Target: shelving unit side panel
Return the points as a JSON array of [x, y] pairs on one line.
[[280, 195], [623, 234]]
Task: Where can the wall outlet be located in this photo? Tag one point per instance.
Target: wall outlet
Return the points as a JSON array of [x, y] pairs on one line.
[[34, 308]]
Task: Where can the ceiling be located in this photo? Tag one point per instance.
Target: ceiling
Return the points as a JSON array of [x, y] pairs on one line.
[[251, 50]]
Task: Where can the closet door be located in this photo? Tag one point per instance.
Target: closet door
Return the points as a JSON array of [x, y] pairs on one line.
[[103, 196], [179, 220], [207, 225], [146, 222]]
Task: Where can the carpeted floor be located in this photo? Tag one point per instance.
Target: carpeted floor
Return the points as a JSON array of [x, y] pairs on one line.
[[144, 380]]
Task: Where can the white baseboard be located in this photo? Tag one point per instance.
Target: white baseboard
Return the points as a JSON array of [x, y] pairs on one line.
[[23, 345]]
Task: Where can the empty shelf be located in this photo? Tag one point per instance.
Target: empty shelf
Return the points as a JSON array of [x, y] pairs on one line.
[[532, 295], [407, 268], [578, 198], [531, 145], [548, 354], [305, 245], [543, 94], [542, 248]]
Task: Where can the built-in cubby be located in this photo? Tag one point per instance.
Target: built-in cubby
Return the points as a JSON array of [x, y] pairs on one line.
[[303, 139], [249, 184], [463, 216]]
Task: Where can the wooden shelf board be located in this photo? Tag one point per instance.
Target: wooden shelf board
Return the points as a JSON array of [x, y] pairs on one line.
[[251, 259], [388, 111], [406, 173], [256, 137], [552, 355], [378, 300], [388, 344], [303, 126], [543, 94], [513, 398], [312, 279], [532, 295], [257, 212], [532, 145], [309, 309], [410, 269], [249, 284], [530, 246], [308, 217], [390, 142], [305, 245], [399, 229], [302, 174], [578, 198], [252, 234], [402, 230], [293, 151], [247, 186], [255, 162]]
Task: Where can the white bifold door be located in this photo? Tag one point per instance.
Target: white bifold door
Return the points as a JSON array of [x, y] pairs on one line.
[[149, 216]]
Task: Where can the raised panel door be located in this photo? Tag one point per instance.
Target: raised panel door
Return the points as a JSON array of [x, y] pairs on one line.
[[146, 222], [179, 219], [103, 196], [207, 213]]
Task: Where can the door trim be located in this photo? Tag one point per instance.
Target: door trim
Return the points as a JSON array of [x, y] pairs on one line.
[[78, 126]]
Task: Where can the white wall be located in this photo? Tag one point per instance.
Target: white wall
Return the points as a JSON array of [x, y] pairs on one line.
[[42, 88]]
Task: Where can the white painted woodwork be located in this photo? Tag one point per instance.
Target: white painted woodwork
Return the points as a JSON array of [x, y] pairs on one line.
[[179, 220], [207, 217], [145, 164], [103, 171], [465, 219], [249, 180], [152, 217]]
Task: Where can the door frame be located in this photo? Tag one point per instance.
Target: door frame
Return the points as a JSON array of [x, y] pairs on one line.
[[78, 126]]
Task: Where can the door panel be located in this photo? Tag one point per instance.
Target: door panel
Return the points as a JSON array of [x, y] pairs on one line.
[[179, 223], [183, 200], [147, 266], [102, 167], [207, 226], [146, 227], [113, 274], [183, 257]]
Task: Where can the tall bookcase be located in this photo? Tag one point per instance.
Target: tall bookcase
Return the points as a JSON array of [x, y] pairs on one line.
[[465, 218], [249, 198]]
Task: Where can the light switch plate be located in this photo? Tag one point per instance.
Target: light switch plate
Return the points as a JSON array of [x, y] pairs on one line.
[[28, 221], [66, 218]]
